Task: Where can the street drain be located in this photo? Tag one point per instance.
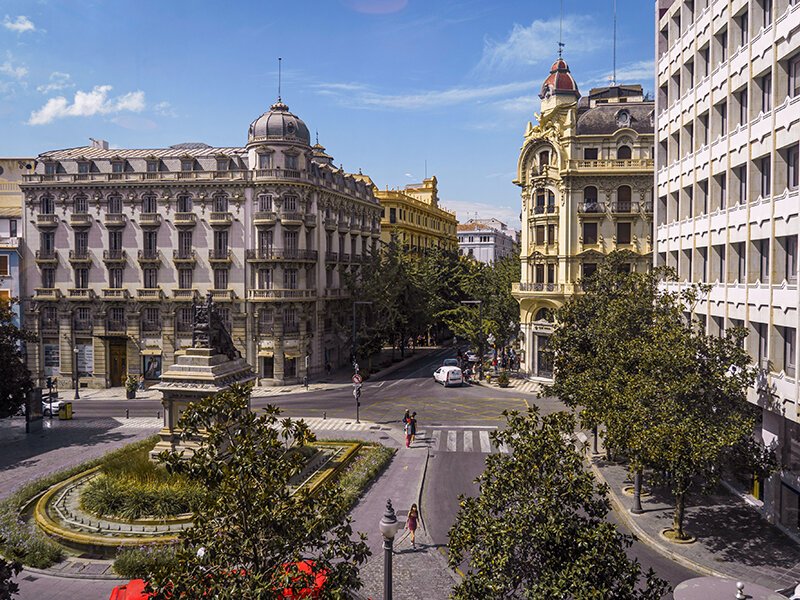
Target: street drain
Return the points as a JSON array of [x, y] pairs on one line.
[[30, 578]]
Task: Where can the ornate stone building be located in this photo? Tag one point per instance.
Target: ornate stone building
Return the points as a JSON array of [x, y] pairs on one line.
[[586, 173], [124, 241], [415, 213]]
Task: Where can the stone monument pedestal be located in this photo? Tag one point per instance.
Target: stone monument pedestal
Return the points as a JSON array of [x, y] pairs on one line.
[[197, 374]]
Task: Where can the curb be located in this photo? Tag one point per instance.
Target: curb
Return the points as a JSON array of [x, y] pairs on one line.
[[622, 512], [59, 575]]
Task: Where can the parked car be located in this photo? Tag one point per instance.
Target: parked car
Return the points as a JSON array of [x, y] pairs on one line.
[[471, 356], [56, 404], [450, 362], [448, 376]]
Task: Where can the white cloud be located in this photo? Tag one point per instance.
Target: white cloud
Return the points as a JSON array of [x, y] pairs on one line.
[[538, 43], [165, 109], [520, 104], [409, 175], [481, 210], [16, 72], [21, 24], [86, 104], [375, 7], [364, 98], [642, 72], [58, 81]]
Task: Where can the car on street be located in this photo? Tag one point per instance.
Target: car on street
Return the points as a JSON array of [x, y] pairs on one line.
[[448, 376], [56, 404], [471, 356], [450, 362]]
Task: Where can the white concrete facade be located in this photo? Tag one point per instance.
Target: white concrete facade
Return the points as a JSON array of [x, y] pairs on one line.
[[486, 240], [727, 135]]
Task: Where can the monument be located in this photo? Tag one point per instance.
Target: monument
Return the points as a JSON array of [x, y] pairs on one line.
[[212, 365]]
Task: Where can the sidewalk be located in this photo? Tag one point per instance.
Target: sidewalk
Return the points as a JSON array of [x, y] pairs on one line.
[[733, 539]]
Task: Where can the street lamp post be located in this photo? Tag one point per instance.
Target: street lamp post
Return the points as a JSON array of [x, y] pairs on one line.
[[389, 527], [480, 329], [77, 374]]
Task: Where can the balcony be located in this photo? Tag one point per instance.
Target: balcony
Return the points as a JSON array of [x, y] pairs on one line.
[[376, 231], [115, 220], [77, 220], [48, 325], [539, 288], [10, 243], [222, 295], [220, 219], [267, 295], [46, 293], [627, 164], [345, 258], [336, 293], [291, 218], [149, 256], [46, 221], [151, 326], [331, 257], [265, 218], [344, 226], [331, 223], [83, 325], [149, 294], [646, 208], [622, 206], [46, 257], [135, 176], [115, 326], [115, 294], [311, 220], [355, 228], [184, 219], [186, 294], [184, 258], [541, 209], [278, 174], [80, 294], [80, 257], [149, 220], [591, 208], [114, 256], [219, 255]]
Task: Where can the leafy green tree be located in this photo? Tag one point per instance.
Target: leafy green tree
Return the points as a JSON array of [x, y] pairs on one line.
[[538, 529], [15, 378], [250, 529], [8, 570]]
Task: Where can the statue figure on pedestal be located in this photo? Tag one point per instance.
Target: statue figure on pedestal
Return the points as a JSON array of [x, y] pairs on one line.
[[209, 331]]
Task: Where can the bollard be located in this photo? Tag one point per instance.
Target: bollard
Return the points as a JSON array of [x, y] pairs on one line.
[[158, 415], [127, 415], [324, 415]]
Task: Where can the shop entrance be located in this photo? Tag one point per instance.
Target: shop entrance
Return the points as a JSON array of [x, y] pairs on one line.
[[117, 362], [268, 367]]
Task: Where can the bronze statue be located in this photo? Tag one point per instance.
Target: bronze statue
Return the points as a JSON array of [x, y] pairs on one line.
[[209, 331]]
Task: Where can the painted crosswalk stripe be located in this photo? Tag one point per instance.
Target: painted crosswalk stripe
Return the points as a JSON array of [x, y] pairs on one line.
[[486, 445], [451, 441], [437, 437], [467, 441]]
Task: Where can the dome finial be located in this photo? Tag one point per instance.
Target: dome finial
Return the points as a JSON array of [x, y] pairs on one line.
[[279, 79], [560, 28]]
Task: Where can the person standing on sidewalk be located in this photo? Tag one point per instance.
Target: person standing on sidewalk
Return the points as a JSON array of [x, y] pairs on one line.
[[406, 417], [407, 430], [411, 523], [413, 421]]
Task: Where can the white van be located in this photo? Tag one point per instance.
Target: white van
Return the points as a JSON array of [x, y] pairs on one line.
[[448, 376]]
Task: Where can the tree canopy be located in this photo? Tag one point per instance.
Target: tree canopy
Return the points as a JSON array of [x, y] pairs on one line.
[[250, 530], [15, 378], [538, 529]]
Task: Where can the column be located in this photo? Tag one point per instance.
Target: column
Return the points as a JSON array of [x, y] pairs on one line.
[[277, 328], [65, 372], [100, 379], [133, 346], [167, 336]]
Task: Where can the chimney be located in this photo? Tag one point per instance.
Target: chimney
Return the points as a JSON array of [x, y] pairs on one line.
[[100, 144]]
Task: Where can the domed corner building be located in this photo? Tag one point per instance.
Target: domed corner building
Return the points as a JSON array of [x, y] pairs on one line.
[[120, 242], [586, 173]]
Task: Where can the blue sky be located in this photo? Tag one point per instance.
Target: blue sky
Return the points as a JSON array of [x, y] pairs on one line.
[[388, 84]]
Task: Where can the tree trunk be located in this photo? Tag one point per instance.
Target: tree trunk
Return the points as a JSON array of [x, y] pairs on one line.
[[677, 518], [637, 493]]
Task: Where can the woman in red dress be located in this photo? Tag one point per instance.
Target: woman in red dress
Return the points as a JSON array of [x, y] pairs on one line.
[[411, 523]]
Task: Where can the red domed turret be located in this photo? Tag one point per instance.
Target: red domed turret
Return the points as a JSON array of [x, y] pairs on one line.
[[559, 82]]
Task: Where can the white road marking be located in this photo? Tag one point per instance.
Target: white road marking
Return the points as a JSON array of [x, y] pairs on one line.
[[437, 437], [467, 441], [451, 441], [486, 445]]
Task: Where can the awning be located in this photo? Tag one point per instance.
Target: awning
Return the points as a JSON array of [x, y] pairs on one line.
[[267, 353], [291, 354], [151, 352]]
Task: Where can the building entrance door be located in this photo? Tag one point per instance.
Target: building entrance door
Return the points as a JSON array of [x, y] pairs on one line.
[[117, 362]]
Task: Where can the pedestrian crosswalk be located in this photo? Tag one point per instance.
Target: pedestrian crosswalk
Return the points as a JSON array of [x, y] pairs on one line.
[[458, 440], [320, 424], [524, 386]]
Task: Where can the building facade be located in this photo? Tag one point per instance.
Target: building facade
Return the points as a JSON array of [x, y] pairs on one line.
[[414, 213], [11, 268], [122, 242], [586, 173], [728, 130], [486, 240]]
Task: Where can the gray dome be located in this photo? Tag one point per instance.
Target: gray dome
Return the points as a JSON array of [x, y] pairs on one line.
[[279, 123]]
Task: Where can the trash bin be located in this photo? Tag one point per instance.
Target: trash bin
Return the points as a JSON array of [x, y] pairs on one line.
[[65, 411]]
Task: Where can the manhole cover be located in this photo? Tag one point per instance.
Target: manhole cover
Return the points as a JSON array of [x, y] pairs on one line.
[[383, 437], [375, 427], [30, 578]]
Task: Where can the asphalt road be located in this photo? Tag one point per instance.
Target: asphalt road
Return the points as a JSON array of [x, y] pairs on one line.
[[457, 414]]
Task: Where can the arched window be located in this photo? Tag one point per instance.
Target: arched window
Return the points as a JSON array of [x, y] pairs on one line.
[[544, 158], [539, 207], [624, 198], [590, 199], [624, 152], [551, 201], [543, 314]]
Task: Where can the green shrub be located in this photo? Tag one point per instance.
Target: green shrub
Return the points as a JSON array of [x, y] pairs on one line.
[[369, 462], [139, 561], [502, 378]]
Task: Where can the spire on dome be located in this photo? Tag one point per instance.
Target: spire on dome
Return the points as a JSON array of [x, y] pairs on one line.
[[560, 81]]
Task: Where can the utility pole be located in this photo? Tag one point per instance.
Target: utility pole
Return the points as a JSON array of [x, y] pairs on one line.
[[356, 376]]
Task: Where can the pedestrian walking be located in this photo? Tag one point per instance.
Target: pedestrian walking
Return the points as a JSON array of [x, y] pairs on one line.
[[408, 429], [406, 416], [141, 382], [413, 422], [494, 364], [411, 523]]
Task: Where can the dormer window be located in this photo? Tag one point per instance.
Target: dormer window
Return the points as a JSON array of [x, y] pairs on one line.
[[222, 164], [187, 164], [623, 118], [117, 166], [152, 166], [83, 167], [264, 161], [50, 169]]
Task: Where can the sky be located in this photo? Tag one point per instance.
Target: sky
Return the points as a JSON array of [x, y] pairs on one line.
[[389, 85]]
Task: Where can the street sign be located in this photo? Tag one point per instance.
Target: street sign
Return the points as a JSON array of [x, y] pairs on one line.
[[356, 378]]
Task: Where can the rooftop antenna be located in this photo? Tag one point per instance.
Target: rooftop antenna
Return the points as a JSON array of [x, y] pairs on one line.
[[614, 81], [316, 131], [279, 79], [560, 28]]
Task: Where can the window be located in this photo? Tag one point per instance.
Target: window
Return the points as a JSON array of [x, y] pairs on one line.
[[590, 154], [792, 167], [184, 244], [150, 242], [187, 164], [264, 279], [762, 344], [291, 161], [47, 205], [265, 161], [392, 215], [551, 234], [150, 278], [115, 278], [290, 323], [149, 204], [763, 267], [81, 205], [766, 189], [50, 169], [4, 265], [719, 252], [741, 99], [766, 13], [722, 44], [741, 274], [589, 198], [290, 203], [47, 242], [703, 129], [790, 261], [741, 173], [115, 240], [81, 278], [117, 166], [624, 198], [114, 205], [81, 243], [184, 320], [220, 243], [589, 269], [704, 61], [789, 335], [184, 204], [723, 118], [766, 92], [116, 319], [590, 233], [265, 242], [12, 228], [290, 240], [265, 202], [794, 76], [551, 273], [222, 164], [83, 167], [185, 278], [624, 152], [540, 234], [220, 203], [743, 24], [538, 275], [220, 279], [722, 181], [624, 233]]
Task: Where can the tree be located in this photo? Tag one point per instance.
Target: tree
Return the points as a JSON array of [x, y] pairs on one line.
[[250, 529], [8, 570], [538, 529], [672, 399], [15, 378]]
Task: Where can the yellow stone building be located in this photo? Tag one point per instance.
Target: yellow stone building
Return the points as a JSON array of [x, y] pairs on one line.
[[586, 173], [415, 213]]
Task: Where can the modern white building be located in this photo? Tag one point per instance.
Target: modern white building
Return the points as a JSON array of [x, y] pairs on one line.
[[728, 204], [486, 240]]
